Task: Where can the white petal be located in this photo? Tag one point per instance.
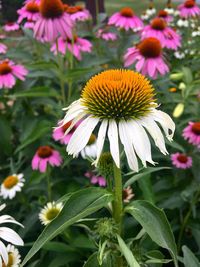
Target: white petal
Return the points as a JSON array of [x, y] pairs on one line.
[[81, 135], [114, 143], [166, 122], [136, 140], [140, 142], [155, 132], [3, 252], [8, 219], [128, 147], [11, 236], [73, 123], [101, 139], [71, 115]]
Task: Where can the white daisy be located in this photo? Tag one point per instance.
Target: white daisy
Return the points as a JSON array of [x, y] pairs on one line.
[[14, 257], [90, 150], [11, 185], [50, 212], [8, 235], [122, 102]]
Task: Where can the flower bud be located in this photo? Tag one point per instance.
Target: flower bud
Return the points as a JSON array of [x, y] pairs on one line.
[[182, 86], [106, 227], [176, 76], [105, 165], [178, 111]]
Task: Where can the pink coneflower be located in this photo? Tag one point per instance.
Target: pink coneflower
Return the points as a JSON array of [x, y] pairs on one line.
[[3, 48], [30, 11], [46, 155], [126, 19], [181, 161], [189, 9], [75, 46], [163, 14], [148, 57], [29, 25], [11, 27], [166, 35], [9, 71], [106, 35], [53, 21], [78, 13], [192, 133], [59, 132], [95, 179]]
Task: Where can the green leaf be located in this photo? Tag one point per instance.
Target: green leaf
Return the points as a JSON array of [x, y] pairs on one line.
[[79, 205], [5, 139], [155, 223], [132, 262], [41, 128], [92, 261], [189, 259], [142, 174], [188, 78], [36, 92], [146, 187]]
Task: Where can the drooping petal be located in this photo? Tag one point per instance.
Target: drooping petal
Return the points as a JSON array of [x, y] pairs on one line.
[[11, 236], [4, 253], [128, 147], [81, 135], [114, 143], [101, 139]]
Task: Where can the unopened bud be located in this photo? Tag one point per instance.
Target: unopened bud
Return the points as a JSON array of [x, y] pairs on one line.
[[182, 86], [176, 76], [178, 111], [105, 165]]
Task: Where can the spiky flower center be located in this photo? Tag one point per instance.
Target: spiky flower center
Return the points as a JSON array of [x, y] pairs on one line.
[[189, 3], [44, 152], [158, 24], [10, 260], [52, 213], [127, 12], [32, 7], [5, 68], [10, 181], [79, 8], [196, 128], [74, 40], [51, 8], [72, 10], [162, 14], [118, 94], [10, 23], [66, 126], [182, 158], [150, 47]]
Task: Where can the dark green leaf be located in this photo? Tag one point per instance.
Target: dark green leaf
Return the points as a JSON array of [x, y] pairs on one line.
[[189, 258]]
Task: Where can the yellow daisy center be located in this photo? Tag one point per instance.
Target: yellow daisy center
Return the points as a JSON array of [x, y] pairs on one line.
[[52, 213], [10, 181], [10, 260], [118, 94]]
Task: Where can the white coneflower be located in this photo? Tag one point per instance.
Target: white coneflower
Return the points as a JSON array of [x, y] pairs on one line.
[[123, 103], [14, 258], [50, 212], [8, 235], [11, 185], [90, 150]]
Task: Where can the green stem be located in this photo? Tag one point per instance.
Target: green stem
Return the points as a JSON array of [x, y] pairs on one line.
[[49, 184], [118, 205], [61, 71], [186, 218]]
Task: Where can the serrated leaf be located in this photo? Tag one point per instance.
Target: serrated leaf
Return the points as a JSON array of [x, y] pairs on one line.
[[79, 205], [155, 223]]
